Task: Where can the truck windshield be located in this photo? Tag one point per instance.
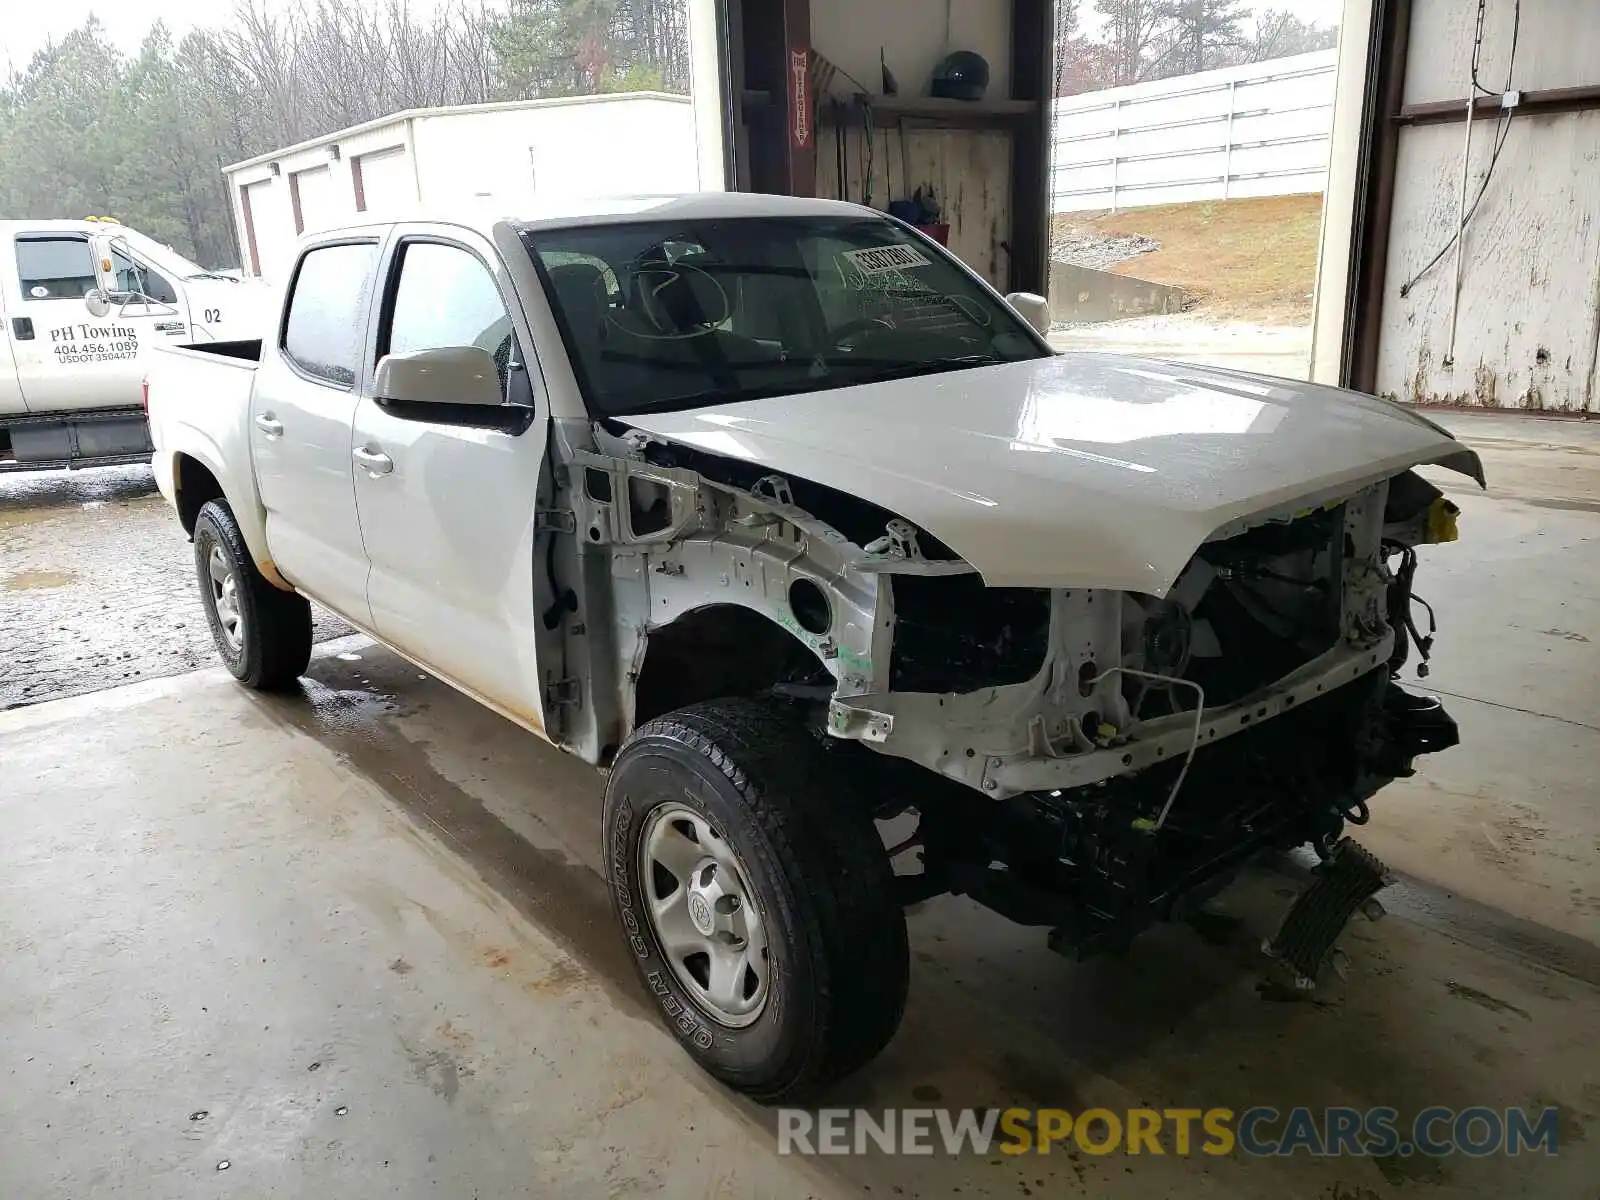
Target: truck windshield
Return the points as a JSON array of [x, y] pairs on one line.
[[659, 316]]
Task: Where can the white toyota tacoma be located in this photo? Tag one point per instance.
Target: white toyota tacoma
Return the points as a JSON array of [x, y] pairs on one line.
[[779, 513]]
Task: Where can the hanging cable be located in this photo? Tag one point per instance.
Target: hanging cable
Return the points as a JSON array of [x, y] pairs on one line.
[[1477, 47], [1477, 50], [1502, 130], [868, 147]]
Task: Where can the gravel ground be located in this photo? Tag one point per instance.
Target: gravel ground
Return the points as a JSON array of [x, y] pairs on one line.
[[97, 585], [1089, 248]]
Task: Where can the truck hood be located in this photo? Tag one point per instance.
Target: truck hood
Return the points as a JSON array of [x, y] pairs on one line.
[[1079, 470]]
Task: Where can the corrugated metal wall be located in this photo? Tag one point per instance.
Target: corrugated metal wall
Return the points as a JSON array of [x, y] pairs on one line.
[[1523, 329]]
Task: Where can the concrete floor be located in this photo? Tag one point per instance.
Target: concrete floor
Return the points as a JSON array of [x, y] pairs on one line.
[[361, 930], [1283, 350]]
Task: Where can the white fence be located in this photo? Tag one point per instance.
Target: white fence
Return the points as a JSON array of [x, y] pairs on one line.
[[1256, 130]]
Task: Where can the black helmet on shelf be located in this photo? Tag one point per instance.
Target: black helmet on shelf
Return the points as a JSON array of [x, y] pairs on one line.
[[962, 75]]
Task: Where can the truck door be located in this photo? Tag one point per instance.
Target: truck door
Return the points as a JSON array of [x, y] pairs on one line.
[[11, 401], [140, 295], [447, 503], [300, 415], [67, 359]]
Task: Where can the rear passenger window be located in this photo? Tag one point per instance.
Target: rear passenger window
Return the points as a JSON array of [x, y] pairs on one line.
[[55, 268], [322, 334]]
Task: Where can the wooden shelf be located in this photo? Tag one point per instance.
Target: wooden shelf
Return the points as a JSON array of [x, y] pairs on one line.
[[930, 110]]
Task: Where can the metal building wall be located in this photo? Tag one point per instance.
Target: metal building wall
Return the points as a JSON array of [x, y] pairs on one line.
[[1519, 325]]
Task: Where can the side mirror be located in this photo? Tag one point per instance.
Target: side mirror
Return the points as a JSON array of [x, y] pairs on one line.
[[1035, 310], [445, 375], [97, 303]]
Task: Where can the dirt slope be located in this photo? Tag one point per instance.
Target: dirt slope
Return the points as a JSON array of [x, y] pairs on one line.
[[1247, 260]]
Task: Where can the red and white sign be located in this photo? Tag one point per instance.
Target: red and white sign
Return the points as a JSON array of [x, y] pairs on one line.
[[800, 99]]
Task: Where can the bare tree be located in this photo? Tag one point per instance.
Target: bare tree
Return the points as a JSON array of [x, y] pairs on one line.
[[1278, 33], [1132, 27], [84, 129]]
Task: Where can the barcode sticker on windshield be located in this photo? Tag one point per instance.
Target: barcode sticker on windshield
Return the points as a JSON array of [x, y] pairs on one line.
[[884, 258]]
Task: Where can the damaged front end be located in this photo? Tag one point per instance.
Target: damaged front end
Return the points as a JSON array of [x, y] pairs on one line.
[[1100, 759], [1167, 741]]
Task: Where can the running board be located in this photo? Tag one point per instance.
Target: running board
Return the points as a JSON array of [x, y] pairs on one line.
[[1342, 886]]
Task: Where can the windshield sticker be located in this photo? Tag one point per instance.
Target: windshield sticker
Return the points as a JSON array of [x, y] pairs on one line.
[[884, 258]]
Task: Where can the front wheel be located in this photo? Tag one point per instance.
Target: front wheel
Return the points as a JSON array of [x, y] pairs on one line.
[[756, 897], [263, 634]]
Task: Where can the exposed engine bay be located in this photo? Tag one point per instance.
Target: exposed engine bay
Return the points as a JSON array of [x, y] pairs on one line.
[[1101, 758]]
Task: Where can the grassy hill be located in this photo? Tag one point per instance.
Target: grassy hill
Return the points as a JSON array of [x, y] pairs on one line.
[[1247, 260]]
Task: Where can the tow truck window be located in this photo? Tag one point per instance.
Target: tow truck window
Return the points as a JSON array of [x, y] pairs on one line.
[[137, 279], [445, 296], [55, 268], [322, 332]]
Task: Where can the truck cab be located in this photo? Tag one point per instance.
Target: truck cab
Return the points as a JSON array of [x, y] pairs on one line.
[[83, 303]]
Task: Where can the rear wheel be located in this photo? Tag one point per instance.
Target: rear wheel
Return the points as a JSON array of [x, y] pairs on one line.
[[756, 897], [263, 634]]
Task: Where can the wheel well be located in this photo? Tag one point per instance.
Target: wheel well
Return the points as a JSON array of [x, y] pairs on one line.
[[194, 485], [718, 651]]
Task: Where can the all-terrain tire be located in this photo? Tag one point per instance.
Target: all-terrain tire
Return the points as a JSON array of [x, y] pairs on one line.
[[818, 874], [274, 626]]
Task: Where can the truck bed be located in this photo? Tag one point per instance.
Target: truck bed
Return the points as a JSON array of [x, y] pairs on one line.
[[198, 397], [245, 353]]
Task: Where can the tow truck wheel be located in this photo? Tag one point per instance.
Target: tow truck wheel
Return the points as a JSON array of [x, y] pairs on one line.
[[263, 633], [756, 898]]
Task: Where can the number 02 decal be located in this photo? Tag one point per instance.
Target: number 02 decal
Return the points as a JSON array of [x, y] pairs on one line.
[[213, 314]]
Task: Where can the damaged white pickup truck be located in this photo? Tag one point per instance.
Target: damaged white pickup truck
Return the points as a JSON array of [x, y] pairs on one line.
[[779, 513]]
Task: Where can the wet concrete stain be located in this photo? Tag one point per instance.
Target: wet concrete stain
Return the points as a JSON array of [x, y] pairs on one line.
[[1490, 929], [566, 900], [1340, 1190], [24, 581], [1215, 927], [1035, 1081], [1565, 505], [562, 977], [1484, 1000], [1570, 1127], [438, 1069], [1400, 1169], [1564, 634]]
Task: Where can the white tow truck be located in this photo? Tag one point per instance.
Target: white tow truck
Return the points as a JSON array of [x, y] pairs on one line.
[[83, 304], [778, 512]]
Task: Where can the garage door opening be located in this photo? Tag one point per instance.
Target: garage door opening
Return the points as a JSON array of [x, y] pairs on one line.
[[1189, 153]]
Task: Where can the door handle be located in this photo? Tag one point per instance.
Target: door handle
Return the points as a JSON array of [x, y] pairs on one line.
[[269, 425], [22, 328], [373, 462]]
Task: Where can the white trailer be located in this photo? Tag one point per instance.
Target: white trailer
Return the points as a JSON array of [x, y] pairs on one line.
[[513, 154]]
